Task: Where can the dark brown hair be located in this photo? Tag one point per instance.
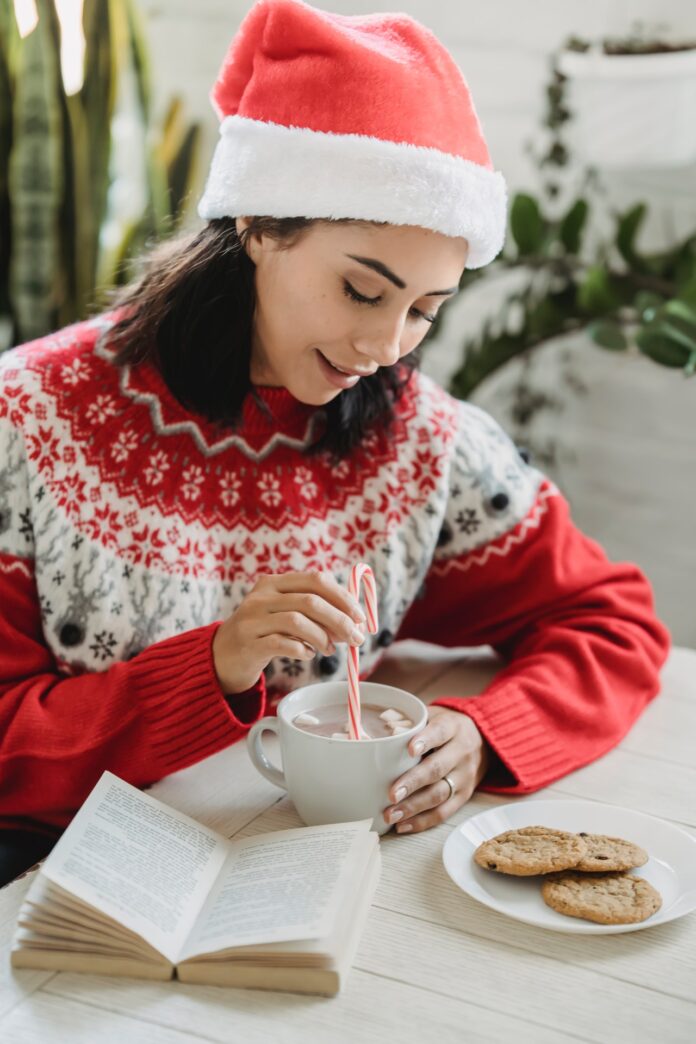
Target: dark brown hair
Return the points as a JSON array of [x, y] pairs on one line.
[[190, 312]]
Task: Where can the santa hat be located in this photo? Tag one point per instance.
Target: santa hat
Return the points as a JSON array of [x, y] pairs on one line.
[[361, 116]]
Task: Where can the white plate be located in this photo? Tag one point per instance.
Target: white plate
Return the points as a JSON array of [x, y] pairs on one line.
[[671, 867]]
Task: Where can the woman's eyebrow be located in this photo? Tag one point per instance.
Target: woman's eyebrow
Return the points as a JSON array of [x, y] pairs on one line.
[[379, 266]]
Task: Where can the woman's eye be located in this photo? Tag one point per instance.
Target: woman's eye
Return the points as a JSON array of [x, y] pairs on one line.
[[351, 292], [421, 315]]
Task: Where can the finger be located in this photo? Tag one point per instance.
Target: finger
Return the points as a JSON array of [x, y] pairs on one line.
[[326, 586], [433, 817], [441, 760], [297, 626], [438, 814], [338, 622], [421, 801], [437, 731]]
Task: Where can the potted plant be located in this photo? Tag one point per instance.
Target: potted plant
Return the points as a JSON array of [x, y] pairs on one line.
[[61, 244], [587, 358], [631, 100]]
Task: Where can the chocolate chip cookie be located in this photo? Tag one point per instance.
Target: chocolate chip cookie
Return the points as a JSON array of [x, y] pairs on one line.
[[610, 853], [614, 898], [531, 850]]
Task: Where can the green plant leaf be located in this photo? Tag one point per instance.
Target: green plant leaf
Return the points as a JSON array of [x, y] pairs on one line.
[[662, 349], [647, 303], [36, 179], [608, 335], [687, 289], [544, 320], [682, 312], [572, 226], [482, 358], [627, 230], [181, 173], [674, 333], [596, 295], [526, 224]]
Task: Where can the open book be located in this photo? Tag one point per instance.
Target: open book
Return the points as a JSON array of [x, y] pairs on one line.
[[134, 887]]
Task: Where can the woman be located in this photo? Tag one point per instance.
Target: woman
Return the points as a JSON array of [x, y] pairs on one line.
[[187, 479]]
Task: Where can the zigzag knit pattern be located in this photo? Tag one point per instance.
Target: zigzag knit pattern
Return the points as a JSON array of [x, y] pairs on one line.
[[142, 521]]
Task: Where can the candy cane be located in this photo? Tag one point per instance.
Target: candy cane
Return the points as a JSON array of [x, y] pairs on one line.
[[359, 572]]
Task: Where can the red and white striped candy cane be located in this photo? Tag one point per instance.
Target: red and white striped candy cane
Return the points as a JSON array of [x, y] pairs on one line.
[[359, 572]]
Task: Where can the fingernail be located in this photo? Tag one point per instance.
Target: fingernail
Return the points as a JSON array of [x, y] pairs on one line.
[[403, 828], [418, 746], [331, 648], [395, 816], [357, 637], [358, 615], [400, 794]]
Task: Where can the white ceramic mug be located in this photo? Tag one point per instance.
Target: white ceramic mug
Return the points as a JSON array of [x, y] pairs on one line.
[[337, 780]]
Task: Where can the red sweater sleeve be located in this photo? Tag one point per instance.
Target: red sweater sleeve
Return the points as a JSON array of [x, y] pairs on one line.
[[579, 634], [154, 714]]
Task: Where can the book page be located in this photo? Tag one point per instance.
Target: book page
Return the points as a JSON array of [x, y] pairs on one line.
[[282, 886], [138, 861]]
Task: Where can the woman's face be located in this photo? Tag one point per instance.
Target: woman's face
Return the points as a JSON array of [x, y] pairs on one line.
[[360, 296]]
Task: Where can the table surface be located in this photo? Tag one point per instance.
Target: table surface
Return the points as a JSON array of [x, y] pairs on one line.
[[433, 964]]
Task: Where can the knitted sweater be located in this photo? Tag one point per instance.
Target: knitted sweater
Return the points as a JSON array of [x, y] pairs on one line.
[[130, 527]]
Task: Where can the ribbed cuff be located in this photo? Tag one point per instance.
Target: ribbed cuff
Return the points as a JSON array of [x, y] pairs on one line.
[[188, 714], [511, 726]]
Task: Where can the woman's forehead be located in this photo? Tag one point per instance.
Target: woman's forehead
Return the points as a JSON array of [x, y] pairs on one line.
[[405, 249]]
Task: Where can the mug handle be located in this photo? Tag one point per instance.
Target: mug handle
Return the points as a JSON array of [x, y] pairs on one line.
[[258, 755]]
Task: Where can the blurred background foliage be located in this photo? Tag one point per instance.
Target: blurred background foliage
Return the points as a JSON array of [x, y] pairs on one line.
[[617, 294], [57, 169], [602, 284]]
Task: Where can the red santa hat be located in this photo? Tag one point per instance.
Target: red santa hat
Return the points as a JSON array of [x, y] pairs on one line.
[[351, 116]]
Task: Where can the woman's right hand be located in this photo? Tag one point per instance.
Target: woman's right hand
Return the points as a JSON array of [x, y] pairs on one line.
[[285, 614]]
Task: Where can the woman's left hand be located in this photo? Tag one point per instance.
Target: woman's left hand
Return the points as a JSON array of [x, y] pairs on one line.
[[422, 796]]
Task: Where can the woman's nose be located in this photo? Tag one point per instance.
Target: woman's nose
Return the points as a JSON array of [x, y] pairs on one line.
[[383, 346]]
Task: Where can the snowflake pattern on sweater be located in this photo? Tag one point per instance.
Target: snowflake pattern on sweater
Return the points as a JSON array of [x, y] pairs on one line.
[[140, 521]]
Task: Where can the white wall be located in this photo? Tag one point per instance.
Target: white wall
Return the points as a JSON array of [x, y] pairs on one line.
[[503, 49]]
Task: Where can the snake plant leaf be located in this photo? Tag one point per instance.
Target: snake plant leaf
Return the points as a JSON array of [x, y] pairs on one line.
[[140, 59], [182, 173], [36, 178], [607, 334], [527, 225], [117, 264], [9, 42], [106, 30], [572, 226]]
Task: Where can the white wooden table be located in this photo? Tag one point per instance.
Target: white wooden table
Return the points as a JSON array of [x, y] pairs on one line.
[[433, 965]]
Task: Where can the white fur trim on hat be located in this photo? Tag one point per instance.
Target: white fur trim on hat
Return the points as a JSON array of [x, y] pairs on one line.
[[267, 169]]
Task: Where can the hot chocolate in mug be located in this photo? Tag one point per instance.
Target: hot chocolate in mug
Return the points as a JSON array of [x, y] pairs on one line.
[[338, 780]]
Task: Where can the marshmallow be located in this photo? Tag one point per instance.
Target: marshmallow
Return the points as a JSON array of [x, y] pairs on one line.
[[306, 719], [396, 729], [339, 735], [391, 715]]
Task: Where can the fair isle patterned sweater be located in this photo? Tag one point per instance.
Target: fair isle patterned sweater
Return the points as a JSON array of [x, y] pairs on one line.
[[129, 528]]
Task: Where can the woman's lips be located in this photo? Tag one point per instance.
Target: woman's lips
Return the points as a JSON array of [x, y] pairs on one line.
[[339, 380]]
